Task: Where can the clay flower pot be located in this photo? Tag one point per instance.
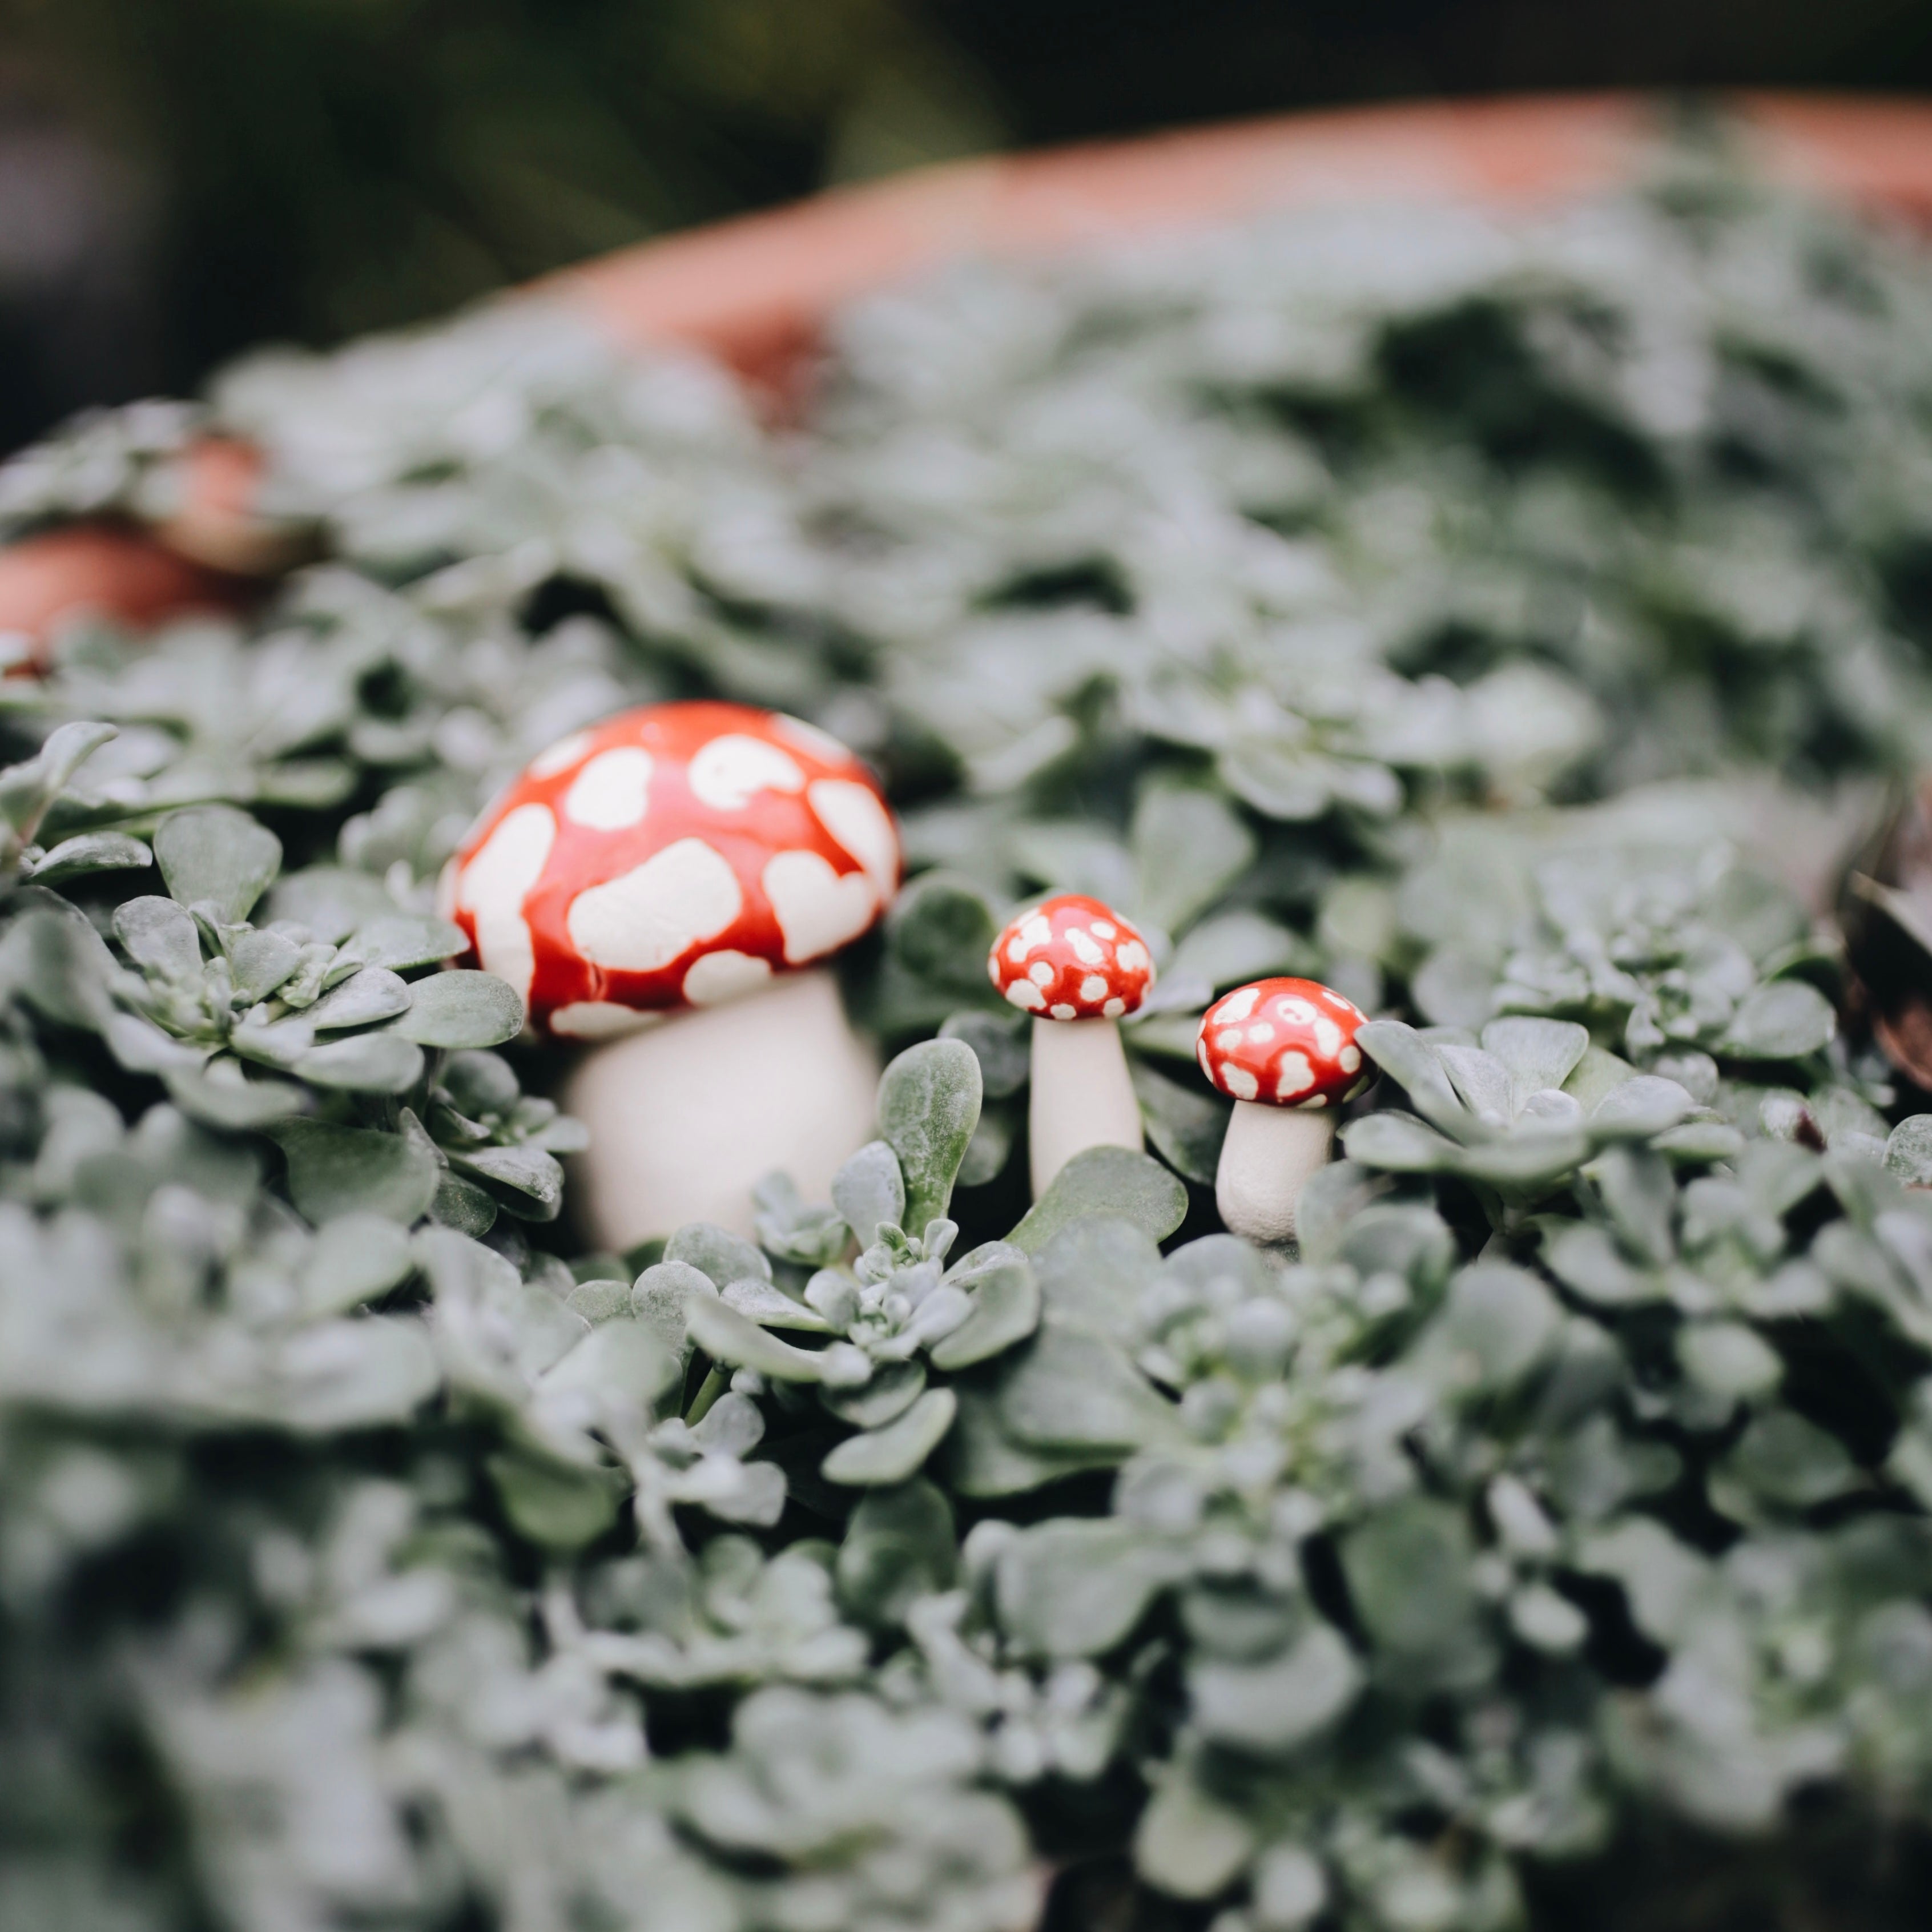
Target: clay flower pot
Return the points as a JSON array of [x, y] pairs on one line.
[[756, 291]]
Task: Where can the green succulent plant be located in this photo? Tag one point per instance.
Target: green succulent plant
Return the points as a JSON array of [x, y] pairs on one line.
[[1506, 623]]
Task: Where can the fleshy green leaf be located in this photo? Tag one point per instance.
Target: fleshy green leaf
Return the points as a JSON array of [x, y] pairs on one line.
[[361, 1000], [1116, 1183], [1076, 1589], [217, 859], [1188, 1844], [160, 937], [759, 1301], [1409, 1577], [869, 1188], [27, 790], [893, 1389], [726, 1335], [461, 1008], [882, 1457], [929, 1106], [659, 1295], [1406, 1057], [1186, 1124], [941, 928], [557, 1508], [1538, 1053], [1908, 1153], [223, 1096], [1188, 844], [399, 941], [1002, 1045], [91, 852], [1006, 1311], [335, 1170], [717, 1253], [1274, 1707], [369, 1063], [899, 1545], [530, 1180], [1072, 1391], [1783, 1021], [356, 1257]]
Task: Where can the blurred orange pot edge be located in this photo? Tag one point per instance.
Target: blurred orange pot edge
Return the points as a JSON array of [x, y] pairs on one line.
[[755, 291]]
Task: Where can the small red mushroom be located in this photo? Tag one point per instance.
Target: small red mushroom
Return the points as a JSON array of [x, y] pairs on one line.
[[634, 884], [1078, 967], [1285, 1051]]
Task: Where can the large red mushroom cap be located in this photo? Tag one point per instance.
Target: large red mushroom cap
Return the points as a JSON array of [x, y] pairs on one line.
[[677, 855], [1071, 958], [1289, 1043]]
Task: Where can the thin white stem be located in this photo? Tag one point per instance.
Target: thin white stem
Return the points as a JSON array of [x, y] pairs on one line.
[[1082, 1095], [686, 1116], [1270, 1156]]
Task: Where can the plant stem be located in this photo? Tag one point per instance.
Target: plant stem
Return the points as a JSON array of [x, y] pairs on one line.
[[713, 1386]]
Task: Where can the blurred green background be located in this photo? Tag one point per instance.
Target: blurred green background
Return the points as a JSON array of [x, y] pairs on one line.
[[179, 179]]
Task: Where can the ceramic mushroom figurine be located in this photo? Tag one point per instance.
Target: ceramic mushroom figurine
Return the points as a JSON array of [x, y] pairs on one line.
[[1078, 967], [1285, 1050], [663, 885]]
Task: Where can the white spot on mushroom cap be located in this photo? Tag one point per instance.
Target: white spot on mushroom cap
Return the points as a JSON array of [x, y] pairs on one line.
[[612, 791], [818, 909], [1327, 1037], [1105, 928], [643, 919], [851, 812], [1297, 1011], [1293, 1076], [715, 977], [1239, 1082], [1132, 956], [1023, 993], [1113, 1010], [561, 756], [492, 887], [1042, 972], [725, 773], [1093, 988], [1064, 1012], [1349, 1058], [1236, 1006], [600, 1019], [1086, 950]]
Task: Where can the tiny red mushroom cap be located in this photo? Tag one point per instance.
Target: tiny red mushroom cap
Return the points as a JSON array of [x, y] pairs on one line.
[[676, 855], [1288, 1042], [1071, 958]]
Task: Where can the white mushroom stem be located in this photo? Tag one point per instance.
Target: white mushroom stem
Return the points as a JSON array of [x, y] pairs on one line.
[[1270, 1154], [686, 1116], [1082, 1095]]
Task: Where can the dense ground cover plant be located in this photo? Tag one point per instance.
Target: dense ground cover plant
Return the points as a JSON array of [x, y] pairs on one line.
[[1479, 619]]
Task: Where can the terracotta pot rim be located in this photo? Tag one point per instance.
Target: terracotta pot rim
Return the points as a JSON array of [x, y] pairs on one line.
[[755, 290]]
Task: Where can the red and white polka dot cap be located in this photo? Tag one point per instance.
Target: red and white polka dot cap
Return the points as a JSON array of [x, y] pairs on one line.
[[677, 855], [1071, 958], [1290, 1042]]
